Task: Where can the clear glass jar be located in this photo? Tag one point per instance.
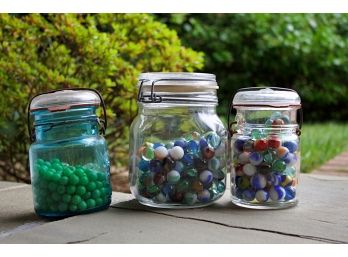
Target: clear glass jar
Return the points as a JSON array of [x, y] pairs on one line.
[[265, 148], [69, 165], [177, 142]]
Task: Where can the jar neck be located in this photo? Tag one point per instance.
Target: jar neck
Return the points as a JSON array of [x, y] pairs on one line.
[[267, 119], [73, 123], [175, 108]]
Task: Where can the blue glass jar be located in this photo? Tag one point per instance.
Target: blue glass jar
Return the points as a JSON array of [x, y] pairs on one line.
[[69, 165]]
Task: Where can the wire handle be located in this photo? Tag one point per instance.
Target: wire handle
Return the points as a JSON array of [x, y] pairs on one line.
[[102, 122]]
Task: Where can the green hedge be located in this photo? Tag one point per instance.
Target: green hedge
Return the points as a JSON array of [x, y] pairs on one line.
[[306, 52], [105, 52]]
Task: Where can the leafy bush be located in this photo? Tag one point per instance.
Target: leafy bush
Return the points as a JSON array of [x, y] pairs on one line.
[[306, 52], [105, 52]]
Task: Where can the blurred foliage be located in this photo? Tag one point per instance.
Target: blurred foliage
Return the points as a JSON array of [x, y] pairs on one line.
[[306, 52], [106, 52]]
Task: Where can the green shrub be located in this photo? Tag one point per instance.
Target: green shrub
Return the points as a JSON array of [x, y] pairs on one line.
[[105, 52], [307, 52]]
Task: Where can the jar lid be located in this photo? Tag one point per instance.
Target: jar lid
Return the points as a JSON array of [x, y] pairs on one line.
[[266, 96], [64, 100], [156, 87]]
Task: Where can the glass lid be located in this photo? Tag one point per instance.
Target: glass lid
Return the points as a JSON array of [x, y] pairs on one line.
[[266, 96], [64, 99]]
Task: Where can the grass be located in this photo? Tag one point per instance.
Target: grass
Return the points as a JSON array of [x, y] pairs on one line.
[[322, 142]]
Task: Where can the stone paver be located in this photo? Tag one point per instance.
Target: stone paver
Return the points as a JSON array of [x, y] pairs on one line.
[[337, 166], [320, 217]]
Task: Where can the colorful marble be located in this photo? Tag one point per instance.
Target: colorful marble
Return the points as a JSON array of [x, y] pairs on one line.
[[258, 181], [213, 139], [290, 193], [292, 146], [264, 163], [160, 152], [261, 196], [255, 158], [249, 169], [249, 195], [274, 142], [206, 177], [277, 193], [185, 171], [282, 151], [173, 177], [204, 196], [176, 152], [243, 158], [260, 145], [190, 198]]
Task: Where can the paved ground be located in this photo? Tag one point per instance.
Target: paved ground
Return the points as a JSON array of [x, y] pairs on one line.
[[320, 217], [337, 166]]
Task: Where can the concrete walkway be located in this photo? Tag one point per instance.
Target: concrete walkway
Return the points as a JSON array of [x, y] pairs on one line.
[[320, 217], [337, 166]]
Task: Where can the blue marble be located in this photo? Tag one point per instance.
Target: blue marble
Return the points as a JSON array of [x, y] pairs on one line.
[[192, 147], [240, 141], [181, 142], [262, 196], [213, 139], [291, 145], [255, 158], [290, 193], [187, 160], [249, 195], [155, 145], [206, 177], [203, 143], [290, 159], [258, 181], [155, 166], [204, 196], [277, 193], [168, 189], [143, 165], [274, 179]]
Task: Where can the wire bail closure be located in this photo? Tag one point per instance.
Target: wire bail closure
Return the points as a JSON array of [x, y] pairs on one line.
[[153, 97], [230, 124], [102, 122]]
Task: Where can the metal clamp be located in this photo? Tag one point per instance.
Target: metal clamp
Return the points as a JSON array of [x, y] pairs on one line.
[[152, 97], [102, 122]]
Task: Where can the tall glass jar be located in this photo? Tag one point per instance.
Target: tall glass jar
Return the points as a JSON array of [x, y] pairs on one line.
[[69, 162], [265, 148], [177, 141]]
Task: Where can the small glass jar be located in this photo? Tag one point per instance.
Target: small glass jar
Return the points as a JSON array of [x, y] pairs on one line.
[[265, 148], [69, 162], [177, 141]]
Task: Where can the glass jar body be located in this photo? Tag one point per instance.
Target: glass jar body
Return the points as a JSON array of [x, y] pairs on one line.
[[177, 155], [265, 153], [69, 165]]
